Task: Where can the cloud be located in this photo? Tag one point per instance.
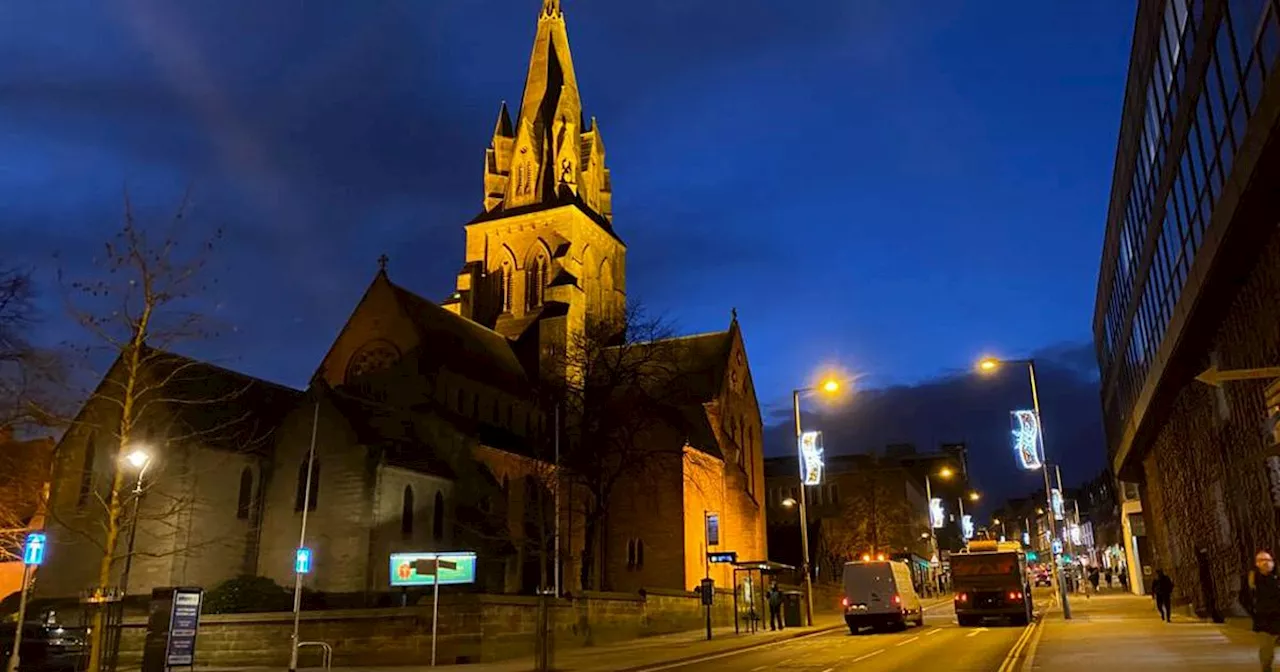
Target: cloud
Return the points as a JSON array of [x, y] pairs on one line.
[[975, 410]]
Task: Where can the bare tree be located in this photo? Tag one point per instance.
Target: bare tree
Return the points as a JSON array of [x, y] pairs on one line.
[[875, 517], [618, 383], [144, 301]]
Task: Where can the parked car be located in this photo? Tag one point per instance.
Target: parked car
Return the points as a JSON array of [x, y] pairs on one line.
[[45, 647]]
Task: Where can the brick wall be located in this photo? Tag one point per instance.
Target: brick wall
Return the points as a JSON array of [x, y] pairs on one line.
[[1205, 488], [473, 628]]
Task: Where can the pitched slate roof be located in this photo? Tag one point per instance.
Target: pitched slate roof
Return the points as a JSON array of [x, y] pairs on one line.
[[213, 405], [469, 348]]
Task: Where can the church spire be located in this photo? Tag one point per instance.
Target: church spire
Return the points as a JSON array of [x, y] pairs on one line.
[[549, 155]]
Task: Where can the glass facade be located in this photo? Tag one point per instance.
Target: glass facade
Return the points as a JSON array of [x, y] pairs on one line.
[[1188, 127]]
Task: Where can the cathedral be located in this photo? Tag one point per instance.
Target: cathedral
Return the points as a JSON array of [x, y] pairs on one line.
[[429, 433]]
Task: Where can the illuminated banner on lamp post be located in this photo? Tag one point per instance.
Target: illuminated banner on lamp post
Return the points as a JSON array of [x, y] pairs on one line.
[[937, 517], [1028, 443], [967, 526], [1055, 500], [811, 458]]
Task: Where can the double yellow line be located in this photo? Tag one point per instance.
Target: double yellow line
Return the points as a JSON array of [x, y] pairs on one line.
[[1029, 634]]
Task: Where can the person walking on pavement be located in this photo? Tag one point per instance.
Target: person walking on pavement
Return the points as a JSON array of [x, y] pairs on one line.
[[1094, 579], [775, 607], [1124, 578], [1162, 587], [1261, 598], [1109, 576]]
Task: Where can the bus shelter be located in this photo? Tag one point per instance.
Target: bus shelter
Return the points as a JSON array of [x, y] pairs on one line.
[[749, 591]]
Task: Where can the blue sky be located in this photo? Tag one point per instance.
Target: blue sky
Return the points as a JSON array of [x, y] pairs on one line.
[[892, 185]]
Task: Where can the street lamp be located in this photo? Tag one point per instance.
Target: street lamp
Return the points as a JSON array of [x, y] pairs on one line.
[[828, 386], [990, 365], [139, 459], [788, 502], [944, 472]]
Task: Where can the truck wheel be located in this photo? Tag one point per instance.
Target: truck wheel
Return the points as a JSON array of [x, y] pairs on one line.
[[966, 621]]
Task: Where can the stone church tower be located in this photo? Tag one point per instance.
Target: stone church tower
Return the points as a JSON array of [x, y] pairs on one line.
[[542, 258]]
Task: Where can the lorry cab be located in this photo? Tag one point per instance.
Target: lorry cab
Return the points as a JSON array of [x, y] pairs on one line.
[[879, 594]]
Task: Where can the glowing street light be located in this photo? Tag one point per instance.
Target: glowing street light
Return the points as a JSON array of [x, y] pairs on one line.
[[829, 385], [946, 472], [990, 364], [788, 502], [974, 496], [139, 459]]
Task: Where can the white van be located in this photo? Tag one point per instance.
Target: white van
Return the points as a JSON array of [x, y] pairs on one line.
[[880, 593]]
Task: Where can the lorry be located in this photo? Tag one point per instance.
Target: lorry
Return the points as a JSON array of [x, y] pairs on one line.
[[990, 581]]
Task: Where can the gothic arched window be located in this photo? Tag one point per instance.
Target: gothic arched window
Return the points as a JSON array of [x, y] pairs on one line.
[[406, 513], [535, 281], [245, 500]]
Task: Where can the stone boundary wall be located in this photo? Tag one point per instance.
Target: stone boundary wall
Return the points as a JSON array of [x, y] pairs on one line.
[[473, 628]]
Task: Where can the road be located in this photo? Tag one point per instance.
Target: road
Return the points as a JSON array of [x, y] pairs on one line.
[[940, 643]]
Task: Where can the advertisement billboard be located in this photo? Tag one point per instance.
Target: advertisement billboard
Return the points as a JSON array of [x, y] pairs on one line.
[[427, 569]]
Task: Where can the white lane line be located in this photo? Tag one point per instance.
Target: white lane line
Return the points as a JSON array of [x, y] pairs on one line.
[[907, 641], [869, 655], [757, 669], [931, 633], [977, 632], [830, 669]]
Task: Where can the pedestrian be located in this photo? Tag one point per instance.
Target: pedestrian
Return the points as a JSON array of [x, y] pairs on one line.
[[1261, 598], [1109, 576], [775, 607], [1162, 588], [1124, 578], [1094, 578]]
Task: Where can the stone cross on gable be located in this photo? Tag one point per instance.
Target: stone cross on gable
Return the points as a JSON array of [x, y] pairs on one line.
[[382, 262]]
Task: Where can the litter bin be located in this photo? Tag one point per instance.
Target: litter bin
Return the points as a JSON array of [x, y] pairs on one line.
[[793, 608]]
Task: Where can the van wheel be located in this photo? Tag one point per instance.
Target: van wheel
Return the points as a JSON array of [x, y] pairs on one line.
[[920, 620]]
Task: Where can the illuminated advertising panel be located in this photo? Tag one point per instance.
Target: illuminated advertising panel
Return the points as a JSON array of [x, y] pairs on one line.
[[937, 517]]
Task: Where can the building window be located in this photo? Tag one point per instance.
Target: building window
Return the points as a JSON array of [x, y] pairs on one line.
[[406, 513], [86, 474], [245, 499], [535, 280], [300, 495], [635, 554], [437, 517]]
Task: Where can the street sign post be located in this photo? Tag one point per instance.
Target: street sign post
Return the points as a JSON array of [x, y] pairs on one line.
[[302, 561], [723, 557], [708, 594], [433, 569], [32, 557], [184, 622]]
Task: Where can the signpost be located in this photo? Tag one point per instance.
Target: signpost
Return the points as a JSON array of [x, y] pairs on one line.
[[708, 592], [713, 529], [1212, 376], [302, 561], [32, 557], [724, 557], [184, 621], [433, 569]]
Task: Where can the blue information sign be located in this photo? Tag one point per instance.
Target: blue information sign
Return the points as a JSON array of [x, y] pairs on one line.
[[302, 561], [33, 551], [184, 621]]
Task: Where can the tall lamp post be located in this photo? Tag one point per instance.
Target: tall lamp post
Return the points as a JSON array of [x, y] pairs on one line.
[[945, 472], [138, 459], [989, 365], [829, 386], [302, 558]]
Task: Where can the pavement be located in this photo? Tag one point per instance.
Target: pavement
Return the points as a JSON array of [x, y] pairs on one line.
[[1124, 632]]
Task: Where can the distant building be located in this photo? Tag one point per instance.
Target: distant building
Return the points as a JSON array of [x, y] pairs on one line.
[[864, 506], [429, 428], [24, 480], [1188, 281]]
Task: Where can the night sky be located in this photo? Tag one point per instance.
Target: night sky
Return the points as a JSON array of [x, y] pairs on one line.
[[891, 186]]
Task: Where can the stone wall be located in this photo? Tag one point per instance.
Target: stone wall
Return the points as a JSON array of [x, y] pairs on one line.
[[1205, 493], [473, 628]]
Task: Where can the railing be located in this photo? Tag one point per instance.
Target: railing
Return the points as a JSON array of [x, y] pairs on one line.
[[325, 649]]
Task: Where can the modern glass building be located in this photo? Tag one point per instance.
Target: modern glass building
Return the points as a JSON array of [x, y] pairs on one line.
[[1190, 279]]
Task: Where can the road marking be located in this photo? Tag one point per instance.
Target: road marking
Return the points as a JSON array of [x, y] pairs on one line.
[[757, 669], [829, 669], [746, 649], [907, 641], [1030, 646], [931, 633], [1010, 660], [869, 655], [977, 632]]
